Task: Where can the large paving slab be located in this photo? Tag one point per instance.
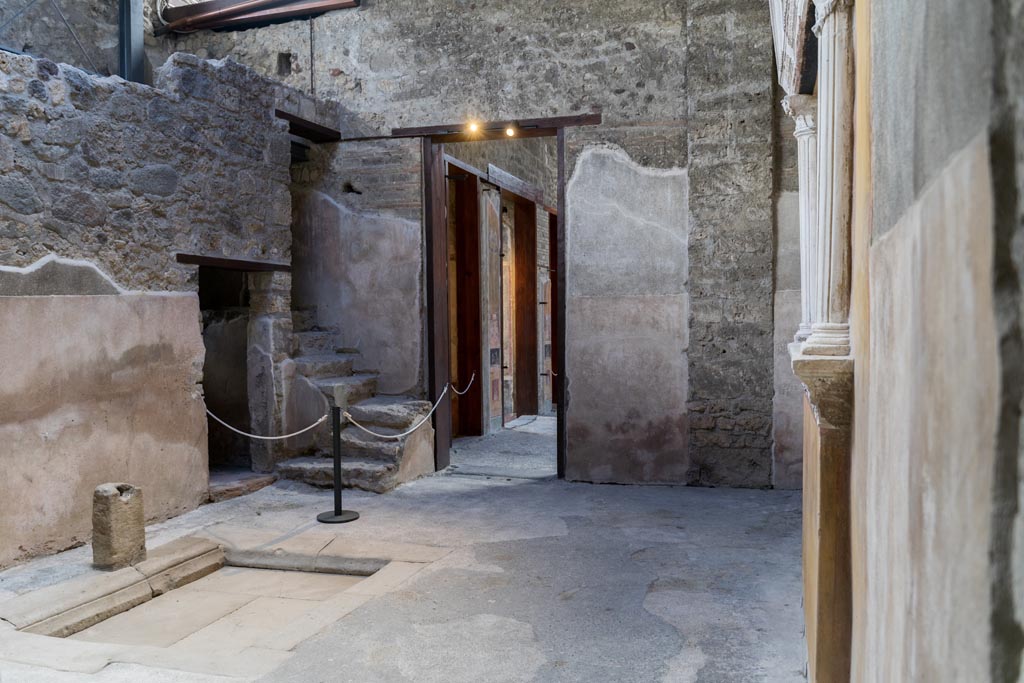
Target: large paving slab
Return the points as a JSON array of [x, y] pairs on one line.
[[539, 580]]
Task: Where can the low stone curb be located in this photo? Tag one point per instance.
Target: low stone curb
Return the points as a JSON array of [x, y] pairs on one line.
[[72, 606]]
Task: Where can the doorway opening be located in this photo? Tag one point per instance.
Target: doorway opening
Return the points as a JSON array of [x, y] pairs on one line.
[[499, 331], [224, 302]]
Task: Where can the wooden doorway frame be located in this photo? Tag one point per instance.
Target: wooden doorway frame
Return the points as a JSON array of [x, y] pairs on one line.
[[435, 204]]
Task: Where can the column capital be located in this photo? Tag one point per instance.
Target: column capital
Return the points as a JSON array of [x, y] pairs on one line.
[[823, 9], [829, 383], [803, 109]]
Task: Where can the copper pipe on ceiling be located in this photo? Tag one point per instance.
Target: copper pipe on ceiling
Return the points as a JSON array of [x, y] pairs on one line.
[[198, 15], [287, 11], [231, 13]]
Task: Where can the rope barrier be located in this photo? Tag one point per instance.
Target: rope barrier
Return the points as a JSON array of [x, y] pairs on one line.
[[348, 416], [269, 438], [405, 433], [466, 390]]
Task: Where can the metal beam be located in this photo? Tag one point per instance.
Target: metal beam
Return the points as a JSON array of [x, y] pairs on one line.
[[131, 57]]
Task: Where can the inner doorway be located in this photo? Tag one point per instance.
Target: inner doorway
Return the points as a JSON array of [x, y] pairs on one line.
[[435, 205], [499, 325], [224, 303]]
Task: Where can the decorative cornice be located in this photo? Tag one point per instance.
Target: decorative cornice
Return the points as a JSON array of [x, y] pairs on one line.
[[829, 384], [823, 9]]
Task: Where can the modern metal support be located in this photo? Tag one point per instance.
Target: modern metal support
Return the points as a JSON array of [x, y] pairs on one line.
[[337, 515], [131, 57]]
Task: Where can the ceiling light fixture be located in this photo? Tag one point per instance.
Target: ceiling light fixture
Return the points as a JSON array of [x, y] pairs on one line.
[[510, 131]]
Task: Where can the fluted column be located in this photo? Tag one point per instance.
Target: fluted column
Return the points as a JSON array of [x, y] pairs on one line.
[[804, 109], [830, 326]]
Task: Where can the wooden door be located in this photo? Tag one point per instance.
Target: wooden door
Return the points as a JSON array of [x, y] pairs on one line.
[[436, 216], [465, 299]]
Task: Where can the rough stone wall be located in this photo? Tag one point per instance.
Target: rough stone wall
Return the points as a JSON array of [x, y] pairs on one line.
[[534, 160], [122, 176], [678, 83], [40, 31], [731, 242], [125, 175]]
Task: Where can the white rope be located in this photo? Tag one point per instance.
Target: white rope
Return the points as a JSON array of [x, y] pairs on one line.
[[269, 438], [405, 433], [466, 390]]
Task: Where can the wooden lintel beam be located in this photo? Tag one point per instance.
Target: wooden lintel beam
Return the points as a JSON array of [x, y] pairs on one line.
[[548, 125], [304, 128], [249, 266]]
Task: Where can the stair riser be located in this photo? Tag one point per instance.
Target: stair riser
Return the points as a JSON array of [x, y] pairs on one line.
[[324, 478], [313, 343], [341, 367], [350, 393]]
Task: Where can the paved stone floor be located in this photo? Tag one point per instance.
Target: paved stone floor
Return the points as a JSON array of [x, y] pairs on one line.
[[549, 581]]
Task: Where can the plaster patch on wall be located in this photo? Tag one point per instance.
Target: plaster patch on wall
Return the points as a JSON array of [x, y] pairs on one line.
[[56, 276], [361, 271], [627, 318]]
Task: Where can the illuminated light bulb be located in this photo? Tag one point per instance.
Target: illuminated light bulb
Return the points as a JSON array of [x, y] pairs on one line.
[[473, 127], [510, 131]]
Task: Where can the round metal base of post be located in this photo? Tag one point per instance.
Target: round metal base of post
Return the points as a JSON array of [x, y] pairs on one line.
[[330, 517]]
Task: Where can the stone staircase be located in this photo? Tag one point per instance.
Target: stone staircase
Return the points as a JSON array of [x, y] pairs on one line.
[[368, 463]]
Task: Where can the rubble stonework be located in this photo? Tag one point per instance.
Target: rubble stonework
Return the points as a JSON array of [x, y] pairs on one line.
[[124, 175]]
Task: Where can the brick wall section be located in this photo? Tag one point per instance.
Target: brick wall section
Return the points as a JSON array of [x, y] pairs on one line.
[[374, 175], [730, 248], [125, 175], [534, 160]]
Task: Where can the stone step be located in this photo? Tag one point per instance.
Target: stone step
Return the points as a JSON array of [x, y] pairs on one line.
[[347, 390], [395, 412], [355, 443], [315, 342], [325, 365], [368, 475], [303, 319]]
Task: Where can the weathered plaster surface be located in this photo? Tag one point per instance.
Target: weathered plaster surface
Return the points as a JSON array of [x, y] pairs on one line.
[[362, 273], [932, 413], [931, 78], [627, 314], [787, 404], [96, 389]]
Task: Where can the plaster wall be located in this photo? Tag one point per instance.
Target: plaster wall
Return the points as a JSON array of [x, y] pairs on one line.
[[932, 397], [626, 314], [787, 403], [358, 255], [936, 335], [107, 390]]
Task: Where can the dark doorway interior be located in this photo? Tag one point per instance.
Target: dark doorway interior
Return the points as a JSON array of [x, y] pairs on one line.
[[553, 306], [464, 297], [224, 301], [524, 310]]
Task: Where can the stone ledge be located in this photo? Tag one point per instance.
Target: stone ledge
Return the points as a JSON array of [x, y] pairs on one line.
[[66, 608], [829, 384]]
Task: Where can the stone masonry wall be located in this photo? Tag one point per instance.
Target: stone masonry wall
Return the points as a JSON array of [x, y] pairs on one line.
[[731, 242], [679, 83], [125, 174]]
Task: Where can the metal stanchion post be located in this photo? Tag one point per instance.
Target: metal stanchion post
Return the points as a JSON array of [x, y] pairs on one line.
[[337, 515]]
